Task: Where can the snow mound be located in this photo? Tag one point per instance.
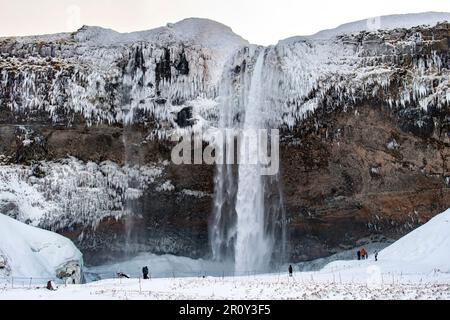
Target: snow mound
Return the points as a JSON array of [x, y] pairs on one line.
[[207, 32], [426, 245], [422, 251], [27, 251]]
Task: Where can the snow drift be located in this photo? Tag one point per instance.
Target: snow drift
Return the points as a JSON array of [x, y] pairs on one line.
[[422, 251], [426, 247], [26, 251]]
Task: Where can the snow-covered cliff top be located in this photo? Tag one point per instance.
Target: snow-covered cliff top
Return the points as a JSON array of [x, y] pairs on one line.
[[378, 23], [111, 77], [197, 31]]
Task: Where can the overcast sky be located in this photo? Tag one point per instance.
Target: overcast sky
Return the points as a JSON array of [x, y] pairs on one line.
[[259, 21]]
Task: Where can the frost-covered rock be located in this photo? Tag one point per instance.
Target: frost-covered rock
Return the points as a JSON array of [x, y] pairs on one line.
[[63, 193], [393, 145], [3, 262], [30, 252], [108, 77], [401, 68]]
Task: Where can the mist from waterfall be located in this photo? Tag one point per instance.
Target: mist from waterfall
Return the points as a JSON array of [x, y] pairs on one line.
[[248, 225]]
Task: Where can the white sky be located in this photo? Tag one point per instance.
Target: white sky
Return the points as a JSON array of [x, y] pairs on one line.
[[259, 21]]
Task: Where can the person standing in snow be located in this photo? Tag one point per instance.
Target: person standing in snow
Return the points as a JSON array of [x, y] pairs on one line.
[[145, 272], [376, 255], [359, 254], [73, 277], [290, 270], [363, 253]]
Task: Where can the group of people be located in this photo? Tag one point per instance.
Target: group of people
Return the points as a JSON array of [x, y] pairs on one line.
[[362, 254]]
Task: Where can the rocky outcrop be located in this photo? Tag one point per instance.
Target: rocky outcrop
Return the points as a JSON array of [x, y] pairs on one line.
[[360, 177]]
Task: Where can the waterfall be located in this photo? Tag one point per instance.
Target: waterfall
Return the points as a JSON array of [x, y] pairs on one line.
[[248, 225], [253, 250]]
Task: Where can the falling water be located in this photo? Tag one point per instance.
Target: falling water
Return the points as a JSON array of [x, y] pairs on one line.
[[253, 250], [248, 222]]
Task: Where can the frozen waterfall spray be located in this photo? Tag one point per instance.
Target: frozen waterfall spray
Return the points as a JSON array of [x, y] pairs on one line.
[[249, 225]]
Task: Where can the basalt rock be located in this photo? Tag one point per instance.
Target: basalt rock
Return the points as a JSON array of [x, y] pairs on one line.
[[184, 117], [343, 183]]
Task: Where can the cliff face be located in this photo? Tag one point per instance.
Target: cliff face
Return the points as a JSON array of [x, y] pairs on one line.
[[85, 120], [361, 177]]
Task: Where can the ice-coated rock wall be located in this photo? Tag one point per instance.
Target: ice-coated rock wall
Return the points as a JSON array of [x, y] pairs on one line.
[[68, 192], [107, 77], [69, 101], [144, 77]]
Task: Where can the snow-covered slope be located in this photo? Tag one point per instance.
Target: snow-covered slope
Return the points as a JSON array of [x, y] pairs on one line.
[[422, 251], [194, 31], [428, 246], [385, 23], [27, 252]]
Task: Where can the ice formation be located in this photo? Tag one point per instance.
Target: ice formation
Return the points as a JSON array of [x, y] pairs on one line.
[[68, 192], [149, 76]]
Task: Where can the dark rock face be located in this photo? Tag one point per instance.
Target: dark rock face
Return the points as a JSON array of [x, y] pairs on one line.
[[163, 223], [163, 68], [31, 144], [184, 117], [344, 182], [183, 65], [171, 221]]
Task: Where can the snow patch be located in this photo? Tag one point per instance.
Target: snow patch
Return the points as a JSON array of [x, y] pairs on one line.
[[27, 251]]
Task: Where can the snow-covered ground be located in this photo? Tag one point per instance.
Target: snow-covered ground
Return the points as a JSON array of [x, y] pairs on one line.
[[415, 267], [318, 264], [308, 285], [160, 266], [26, 251]]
